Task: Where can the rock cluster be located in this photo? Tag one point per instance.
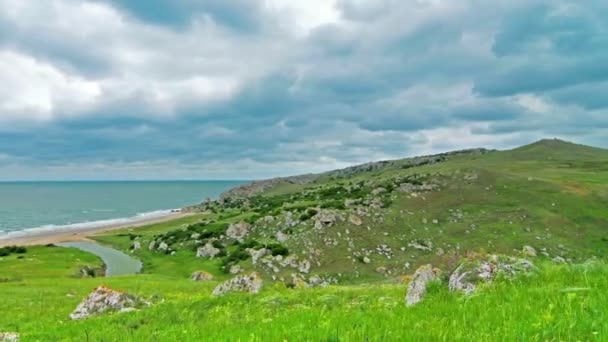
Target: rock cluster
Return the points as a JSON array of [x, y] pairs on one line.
[[251, 283], [467, 277], [207, 251], [104, 299]]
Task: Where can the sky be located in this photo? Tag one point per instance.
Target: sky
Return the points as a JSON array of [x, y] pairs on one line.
[[247, 89]]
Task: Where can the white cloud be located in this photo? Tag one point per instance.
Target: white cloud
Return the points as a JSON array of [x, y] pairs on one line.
[[36, 90]]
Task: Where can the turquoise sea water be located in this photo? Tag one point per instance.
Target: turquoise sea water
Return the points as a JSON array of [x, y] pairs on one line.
[[53, 205]]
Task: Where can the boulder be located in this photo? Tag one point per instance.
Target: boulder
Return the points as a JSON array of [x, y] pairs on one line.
[[417, 288], [9, 336], [529, 251], [356, 220], [238, 231], [136, 245], [471, 273], [201, 276], [104, 299], [152, 245], [163, 246], [207, 251], [251, 283]]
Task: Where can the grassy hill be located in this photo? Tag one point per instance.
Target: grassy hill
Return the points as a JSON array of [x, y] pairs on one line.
[[363, 230]]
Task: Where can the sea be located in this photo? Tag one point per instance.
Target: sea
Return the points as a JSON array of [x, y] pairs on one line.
[[27, 207]]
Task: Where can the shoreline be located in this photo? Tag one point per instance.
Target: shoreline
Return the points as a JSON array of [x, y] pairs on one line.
[[73, 234]]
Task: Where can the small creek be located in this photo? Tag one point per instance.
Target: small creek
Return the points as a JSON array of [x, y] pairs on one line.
[[117, 262]]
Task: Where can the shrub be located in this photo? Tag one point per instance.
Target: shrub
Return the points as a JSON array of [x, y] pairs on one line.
[[278, 249]]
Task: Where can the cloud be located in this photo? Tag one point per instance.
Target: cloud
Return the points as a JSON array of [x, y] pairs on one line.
[[248, 88]]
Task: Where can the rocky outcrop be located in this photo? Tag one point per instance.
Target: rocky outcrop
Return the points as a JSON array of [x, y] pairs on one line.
[[417, 288], [9, 336], [201, 276], [238, 231], [104, 299], [471, 273], [251, 283], [208, 251]]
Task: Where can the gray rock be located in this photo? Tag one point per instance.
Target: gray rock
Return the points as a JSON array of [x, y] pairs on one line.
[[9, 336], [136, 245], [201, 276], [251, 283], [235, 269], [239, 231], [304, 266], [366, 260], [257, 254], [282, 237], [207, 251], [356, 220], [152, 245], [163, 246], [559, 260], [104, 299], [529, 251], [417, 288]]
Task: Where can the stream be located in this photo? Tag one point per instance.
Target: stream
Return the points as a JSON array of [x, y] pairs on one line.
[[117, 263]]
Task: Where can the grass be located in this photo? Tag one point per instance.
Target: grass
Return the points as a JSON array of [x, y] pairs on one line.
[[556, 303]]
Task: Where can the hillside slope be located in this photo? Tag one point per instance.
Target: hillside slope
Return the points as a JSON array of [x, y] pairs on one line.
[[381, 220]]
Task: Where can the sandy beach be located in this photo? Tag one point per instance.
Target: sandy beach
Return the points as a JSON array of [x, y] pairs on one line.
[[81, 234]]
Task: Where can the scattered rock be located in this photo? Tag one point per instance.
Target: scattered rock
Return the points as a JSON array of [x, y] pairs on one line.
[[417, 288], [152, 245], [282, 237], [422, 245], [238, 231], [207, 251], [104, 299], [356, 220], [9, 337], [201, 276], [136, 245], [366, 260], [163, 246], [304, 266], [559, 260], [378, 191], [257, 254], [235, 269], [251, 283], [529, 251]]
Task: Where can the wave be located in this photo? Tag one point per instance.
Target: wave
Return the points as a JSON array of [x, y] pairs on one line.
[[75, 227]]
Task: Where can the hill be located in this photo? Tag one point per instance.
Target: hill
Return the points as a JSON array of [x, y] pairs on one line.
[[377, 221]]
